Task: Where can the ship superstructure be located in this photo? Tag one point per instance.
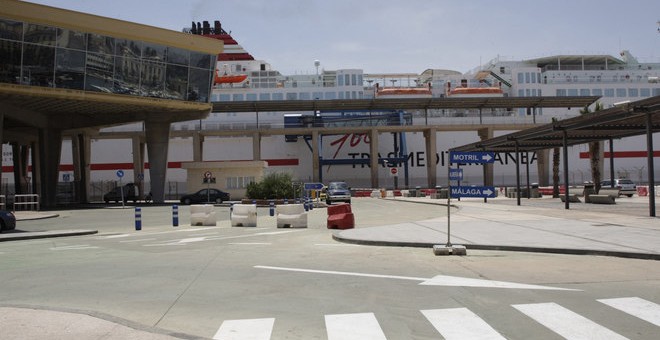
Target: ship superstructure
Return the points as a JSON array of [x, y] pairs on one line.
[[241, 77]]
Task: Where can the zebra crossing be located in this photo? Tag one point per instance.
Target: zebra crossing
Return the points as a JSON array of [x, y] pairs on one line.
[[461, 323]]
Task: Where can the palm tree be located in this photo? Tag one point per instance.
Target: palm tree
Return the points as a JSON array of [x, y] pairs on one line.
[[594, 152], [555, 172]]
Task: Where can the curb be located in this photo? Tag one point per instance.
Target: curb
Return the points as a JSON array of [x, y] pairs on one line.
[[15, 236], [566, 251]]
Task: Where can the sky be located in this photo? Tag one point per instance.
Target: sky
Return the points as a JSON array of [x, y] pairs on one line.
[[388, 36]]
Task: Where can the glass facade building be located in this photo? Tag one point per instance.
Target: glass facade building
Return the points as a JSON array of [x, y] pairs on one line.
[[47, 56]]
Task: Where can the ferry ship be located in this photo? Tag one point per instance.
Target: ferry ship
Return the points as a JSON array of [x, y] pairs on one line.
[[241, 77]]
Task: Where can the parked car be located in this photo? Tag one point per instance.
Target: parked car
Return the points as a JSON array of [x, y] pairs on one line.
[[338, 192], [7, 220], [205, 196], [625, 186], [115, 195]]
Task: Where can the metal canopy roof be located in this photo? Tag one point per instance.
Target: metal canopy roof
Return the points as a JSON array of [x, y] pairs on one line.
[[624, 120], [402, 103]]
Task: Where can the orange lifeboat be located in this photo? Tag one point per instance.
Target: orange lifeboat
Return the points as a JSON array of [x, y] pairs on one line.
[[475, 90], [229, 78]]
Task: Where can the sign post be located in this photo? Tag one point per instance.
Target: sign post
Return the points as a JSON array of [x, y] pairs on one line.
[[207, 179], [458, 157], [120, 174]]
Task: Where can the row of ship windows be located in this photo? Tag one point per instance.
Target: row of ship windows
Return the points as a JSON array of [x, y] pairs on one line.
[[287, 96], [534, 78], [644, 92], [630, 92]]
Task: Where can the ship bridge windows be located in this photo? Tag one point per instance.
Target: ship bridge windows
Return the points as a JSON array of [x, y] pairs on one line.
[[251, 97], [621, 92], [278, 96], [305, 96], [585, 92], [237, 97], [609, 92], [597, 92], [633, 92], [644, 92]]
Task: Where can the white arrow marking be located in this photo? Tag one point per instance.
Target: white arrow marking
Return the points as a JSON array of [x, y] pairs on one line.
[[439, 280], [487, 192], [487, 157]]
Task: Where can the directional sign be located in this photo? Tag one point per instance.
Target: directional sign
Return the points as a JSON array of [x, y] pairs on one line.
[[471, 157], [208, 174], [313, 186], [469, 191], [455, 174], [120, 173]]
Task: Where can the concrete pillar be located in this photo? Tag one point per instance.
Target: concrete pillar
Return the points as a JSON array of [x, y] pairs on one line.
[[256, 146], [158, 137], [430, 137], [543, 167], [2, 129], [487, 133], [138, 165], [373, 154], [316, 164], [198, 147], [81, 146], [47, 171], [19, 158]]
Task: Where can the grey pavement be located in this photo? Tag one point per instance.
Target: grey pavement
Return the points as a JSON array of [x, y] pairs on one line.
[[541, 225], [537, 225]]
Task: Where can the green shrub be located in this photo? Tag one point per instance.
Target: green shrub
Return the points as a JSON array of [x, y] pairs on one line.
[[272, 186]]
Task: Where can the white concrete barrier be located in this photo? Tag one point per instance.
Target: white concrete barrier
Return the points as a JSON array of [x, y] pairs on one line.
[[202, 214], [291, 215], [244, 215]]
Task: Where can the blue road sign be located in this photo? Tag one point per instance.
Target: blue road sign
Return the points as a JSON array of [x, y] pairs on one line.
[[120, 173], [469, 191], [455, 174], [471, 157], [313, 186]]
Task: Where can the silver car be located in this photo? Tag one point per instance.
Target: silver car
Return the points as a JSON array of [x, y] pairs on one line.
[[625, 186]]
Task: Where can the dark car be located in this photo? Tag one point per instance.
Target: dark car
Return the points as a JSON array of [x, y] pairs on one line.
[[205, 196], [115, 195], [7, 220], [338, 192]]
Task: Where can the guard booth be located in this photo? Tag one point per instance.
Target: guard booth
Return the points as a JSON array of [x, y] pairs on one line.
[[229, 176]]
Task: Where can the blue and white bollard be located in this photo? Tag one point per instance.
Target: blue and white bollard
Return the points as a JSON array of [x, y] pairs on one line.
[[231, 209], [175, 215], [272, 208], [310, 203], [138, 218], [306, 203]]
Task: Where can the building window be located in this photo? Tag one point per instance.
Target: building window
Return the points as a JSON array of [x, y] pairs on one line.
[[527, 80], [621, 92], [561, 92], [251, 97], [585, 92], [644, 92], [237, 97], [264, 96], [572, 92], [597, 92], [521, 78], [609, 92]]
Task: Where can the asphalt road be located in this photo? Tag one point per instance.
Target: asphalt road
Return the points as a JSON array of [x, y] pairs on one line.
[[220, 281]]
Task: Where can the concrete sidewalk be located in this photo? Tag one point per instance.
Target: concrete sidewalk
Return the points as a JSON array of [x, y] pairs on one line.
[[15, 235], [538, 225]]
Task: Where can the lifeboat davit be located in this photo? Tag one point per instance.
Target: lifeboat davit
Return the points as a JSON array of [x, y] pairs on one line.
[[230, 78]]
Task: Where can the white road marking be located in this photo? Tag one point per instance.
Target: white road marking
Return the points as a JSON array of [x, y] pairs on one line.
[[254, 329], [440, 280], [113, 236], [460, 324], [443, 280], [139, 240], [74, 247], [205, 234], [215, 238], [645, 310], [566, 323], [353, 327], [250, 243]]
